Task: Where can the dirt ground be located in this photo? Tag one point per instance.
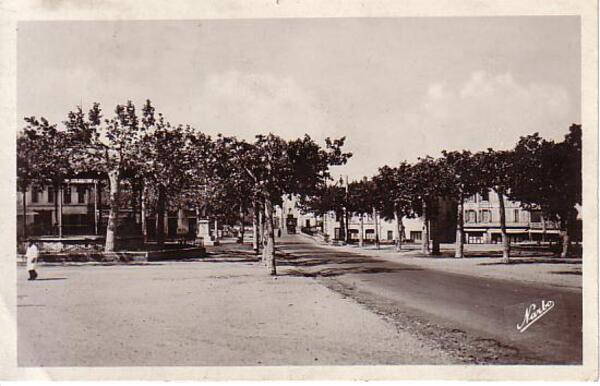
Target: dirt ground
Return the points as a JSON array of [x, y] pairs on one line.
[[216, 312]]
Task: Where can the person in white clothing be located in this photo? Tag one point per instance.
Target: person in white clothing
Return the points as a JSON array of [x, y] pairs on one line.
[[32, 255]]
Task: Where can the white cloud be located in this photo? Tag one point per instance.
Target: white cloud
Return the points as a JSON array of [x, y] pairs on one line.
[[491, 110], [244, 104], [436, 91]]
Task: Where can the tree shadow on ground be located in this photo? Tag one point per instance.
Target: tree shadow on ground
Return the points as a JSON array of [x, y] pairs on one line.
[[122, 264], [230, 256], [50, 278], [336, 271], [578, 273], [312, 262], [533, 261], [449, 254]]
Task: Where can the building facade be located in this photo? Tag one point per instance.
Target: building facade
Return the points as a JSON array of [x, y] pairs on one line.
[[84, 206], [481, 222]]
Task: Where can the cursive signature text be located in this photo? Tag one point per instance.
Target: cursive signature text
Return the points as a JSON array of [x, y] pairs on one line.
[[533, 313]]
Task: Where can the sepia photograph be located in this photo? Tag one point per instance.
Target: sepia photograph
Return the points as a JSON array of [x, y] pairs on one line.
[[302, 191]]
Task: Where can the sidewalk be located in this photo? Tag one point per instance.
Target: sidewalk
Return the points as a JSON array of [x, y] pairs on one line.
[[199, 314], [542, 271]]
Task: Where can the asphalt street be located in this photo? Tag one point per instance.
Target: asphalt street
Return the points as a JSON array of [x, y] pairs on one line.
[[474, 311]]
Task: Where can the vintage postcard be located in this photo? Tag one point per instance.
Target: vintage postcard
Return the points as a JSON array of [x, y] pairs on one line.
[[299, 190]]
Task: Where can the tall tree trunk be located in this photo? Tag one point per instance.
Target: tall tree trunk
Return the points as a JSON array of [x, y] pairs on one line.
[[99, 206], [376, 228], [347, 229], [111, 228], [242, 228], [134, 202], [361, 237], [425, 234], [96, 206], [543, 229], [255, 229], [60, 212], [342, 234], [505, 240], [565, 236], [460, 229], [270, 236], [24, 191], [56, 215], [143, 214], [400, 230], [181, 224], [160, 215], [216, 235], [261, 234]]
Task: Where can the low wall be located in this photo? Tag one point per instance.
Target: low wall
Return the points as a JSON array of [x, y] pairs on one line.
[[81, 244], [176, 254], [119, 257]]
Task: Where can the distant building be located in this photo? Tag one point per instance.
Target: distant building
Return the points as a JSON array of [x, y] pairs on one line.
[[85, 211], [481, 220], [85, 208], [77, 199]]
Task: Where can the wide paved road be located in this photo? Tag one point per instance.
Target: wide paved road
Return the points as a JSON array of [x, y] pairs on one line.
[[474, 317]]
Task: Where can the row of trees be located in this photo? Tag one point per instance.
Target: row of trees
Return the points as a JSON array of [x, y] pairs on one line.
[[174, 166], [540, 174]]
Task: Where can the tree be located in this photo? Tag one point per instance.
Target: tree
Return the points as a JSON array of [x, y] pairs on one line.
[[360, 202], [549, 178], [464, 180], [50, 156], [165, 161], [396, 194], [297, 167], [329, 198], [107, 146], [428, 186], [238, 192], [496, 170], [27, 173], [234, 167]]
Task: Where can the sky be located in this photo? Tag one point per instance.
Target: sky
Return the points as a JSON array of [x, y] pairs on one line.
[[397, 88]]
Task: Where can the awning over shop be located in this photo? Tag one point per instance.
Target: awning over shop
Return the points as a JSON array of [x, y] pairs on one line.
[[511, 231]]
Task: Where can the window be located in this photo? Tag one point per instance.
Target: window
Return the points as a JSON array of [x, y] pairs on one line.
[[35, 194], [415, 235], [486, 216], [536, 216], [67, 196], [516, 215], [81, 195], [470, 216], [50, 195], [475, 238], [390, 235], [471, 198]]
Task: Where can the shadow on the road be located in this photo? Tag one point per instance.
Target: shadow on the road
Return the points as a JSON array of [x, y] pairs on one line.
[[578, 273], [533, 261], [332, 263], [314, 261], [230, 256], [330, 272], [50, 278]]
